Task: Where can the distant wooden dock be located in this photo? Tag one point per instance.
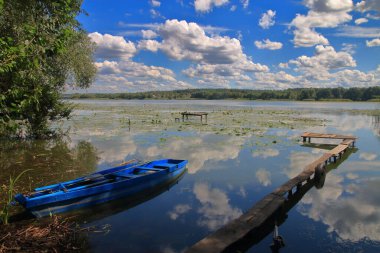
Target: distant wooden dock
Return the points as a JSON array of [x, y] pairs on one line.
[[226, 238], [308, 135], [198, 114]]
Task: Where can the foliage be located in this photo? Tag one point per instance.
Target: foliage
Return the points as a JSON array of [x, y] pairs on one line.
[[355, 94], [42, 48], [4, 214]]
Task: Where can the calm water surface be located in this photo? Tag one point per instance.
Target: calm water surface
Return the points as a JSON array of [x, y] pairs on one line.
[[227, 174]]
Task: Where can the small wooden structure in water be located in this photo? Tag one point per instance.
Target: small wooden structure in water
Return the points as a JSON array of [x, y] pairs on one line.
[[198, 114], [237, 231], [308, 135]]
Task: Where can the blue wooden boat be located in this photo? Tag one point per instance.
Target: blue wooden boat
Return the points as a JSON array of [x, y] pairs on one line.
[[102, 186]]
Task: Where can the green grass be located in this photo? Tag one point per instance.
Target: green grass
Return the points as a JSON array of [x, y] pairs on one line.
[[4, 214]]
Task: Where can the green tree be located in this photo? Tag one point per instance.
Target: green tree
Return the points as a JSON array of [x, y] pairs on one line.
[[323, 94], [42, 50]]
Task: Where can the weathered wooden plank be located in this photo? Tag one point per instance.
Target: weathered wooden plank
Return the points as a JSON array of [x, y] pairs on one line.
[[338, 149], [240, 227], [347, 142]]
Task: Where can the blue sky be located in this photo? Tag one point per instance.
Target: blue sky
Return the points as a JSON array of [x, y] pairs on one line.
[[163, 45]]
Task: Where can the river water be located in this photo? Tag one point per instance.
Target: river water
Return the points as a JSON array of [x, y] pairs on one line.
[[244, 151]]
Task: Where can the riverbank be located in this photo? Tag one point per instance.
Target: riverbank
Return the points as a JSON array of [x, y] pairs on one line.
[[52, 235]]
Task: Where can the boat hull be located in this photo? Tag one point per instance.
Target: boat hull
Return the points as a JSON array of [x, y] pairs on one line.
[[74, 199]]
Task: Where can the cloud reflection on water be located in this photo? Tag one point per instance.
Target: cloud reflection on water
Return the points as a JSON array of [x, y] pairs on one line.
[[367, 156], [198, 150], [264, 177], [265, 153], [178, 210], [215, 209], [349, 203], [353, 217]]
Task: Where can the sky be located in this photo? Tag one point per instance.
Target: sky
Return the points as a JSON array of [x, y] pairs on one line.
[[145, 45]]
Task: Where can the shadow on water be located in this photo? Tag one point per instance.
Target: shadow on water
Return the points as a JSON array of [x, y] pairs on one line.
[[318, 145], [104, 210], [49, 161], [280, 217]]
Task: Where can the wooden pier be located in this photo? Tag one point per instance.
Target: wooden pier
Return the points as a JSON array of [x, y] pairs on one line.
[[227, 238], [308, 135], [198, 114]]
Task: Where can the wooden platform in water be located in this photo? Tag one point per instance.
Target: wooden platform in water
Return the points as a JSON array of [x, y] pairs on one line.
[[199, 114], [224, 239], [327, 136]]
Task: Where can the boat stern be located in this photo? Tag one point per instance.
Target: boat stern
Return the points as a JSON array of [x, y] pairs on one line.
[[20, 198]]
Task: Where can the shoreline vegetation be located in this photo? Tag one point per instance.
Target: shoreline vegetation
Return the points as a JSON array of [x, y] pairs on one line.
[[53, 235], [370, 94]]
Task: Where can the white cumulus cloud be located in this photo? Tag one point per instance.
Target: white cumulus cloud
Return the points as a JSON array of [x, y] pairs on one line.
[[321, 14], [267, 19], [118, 72], [329, 5], [155, 3], [207, 5], [112, 47], [324, 60], [219, 59], [305, 34], [188, 41], [369, 5], [148, 34], [267, 44], [308, 37], [150, 45], [361, 21], [373, 43]]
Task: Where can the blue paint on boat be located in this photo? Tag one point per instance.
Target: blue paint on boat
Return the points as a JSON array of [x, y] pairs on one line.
[[100, 187]]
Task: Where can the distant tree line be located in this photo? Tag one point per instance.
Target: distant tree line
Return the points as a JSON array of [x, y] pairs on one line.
[[354, 94]]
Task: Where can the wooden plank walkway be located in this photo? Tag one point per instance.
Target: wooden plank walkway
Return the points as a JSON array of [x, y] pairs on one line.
[[239, 228], [347, 142], [224, 238]]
